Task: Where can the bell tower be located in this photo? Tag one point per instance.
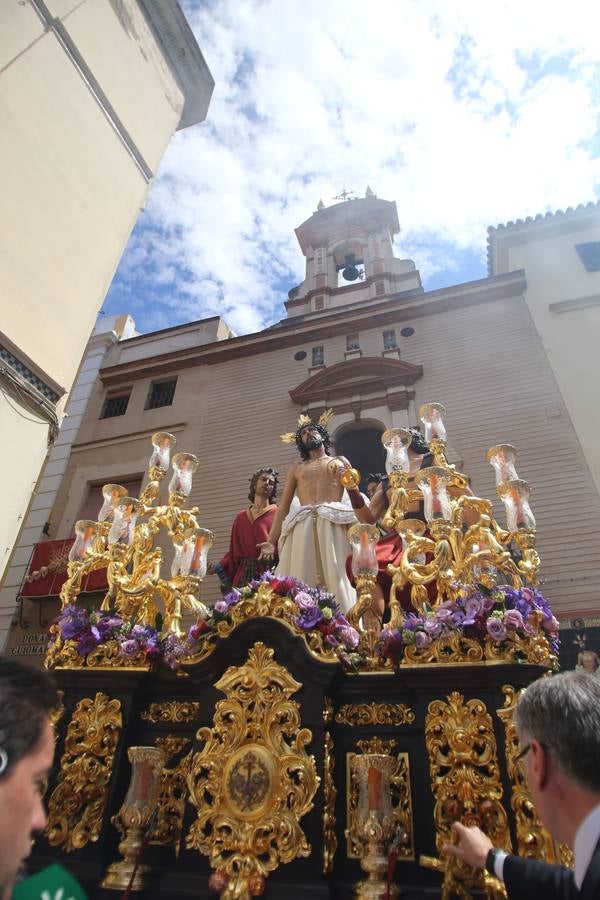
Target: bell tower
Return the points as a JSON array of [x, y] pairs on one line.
[[350, 257]]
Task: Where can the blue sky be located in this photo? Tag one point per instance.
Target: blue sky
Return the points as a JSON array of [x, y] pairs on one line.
[[467, 114]]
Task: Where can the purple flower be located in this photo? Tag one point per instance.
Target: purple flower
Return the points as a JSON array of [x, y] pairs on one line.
[[331, 640], [221, 607], [309, 618], [422, 640], [73, 621], [513, 619], [87, 642], [348, 636], [432, 626], [550, 623], [496, 629], [228, 600], [444, 615], [304, 600], [130, 648]]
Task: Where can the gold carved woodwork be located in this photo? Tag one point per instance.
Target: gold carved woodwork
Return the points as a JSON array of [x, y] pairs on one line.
[[77, 803], [264, 603], [375, 714], [329, 797], [532, 838], [400, 798], [455, 648], [63, 655], [253, 781], [327, 710], [173, 792], [171, 711], [465, 780]]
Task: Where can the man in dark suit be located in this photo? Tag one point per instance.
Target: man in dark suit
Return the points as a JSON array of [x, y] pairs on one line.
[[558, 725]]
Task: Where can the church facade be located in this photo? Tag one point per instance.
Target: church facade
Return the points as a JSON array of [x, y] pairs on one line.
[[361, 336]]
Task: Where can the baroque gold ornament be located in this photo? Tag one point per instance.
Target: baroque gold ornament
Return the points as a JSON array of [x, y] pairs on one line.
[[77, 803], [253, 781], [171, 711], [465, 779], [375, 714], [329, 797]]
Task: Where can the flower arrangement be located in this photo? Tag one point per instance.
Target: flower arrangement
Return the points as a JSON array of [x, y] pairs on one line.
[[500, 613], [318, 610], [90, 628]]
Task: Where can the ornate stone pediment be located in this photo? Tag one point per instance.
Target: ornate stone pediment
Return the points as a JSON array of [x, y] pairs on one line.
[[368, 382]]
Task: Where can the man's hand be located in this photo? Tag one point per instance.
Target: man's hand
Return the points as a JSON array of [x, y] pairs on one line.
[[267, 551], [473, 845]]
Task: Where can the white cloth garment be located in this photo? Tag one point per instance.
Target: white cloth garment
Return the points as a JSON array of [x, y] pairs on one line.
[[299, 555]]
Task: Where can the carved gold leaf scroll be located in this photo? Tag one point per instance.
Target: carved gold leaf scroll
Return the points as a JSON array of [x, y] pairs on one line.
[[465, 780], [375, 714], [532, 838], [252, 781], [329, 797], [401, 800], [76, 805], [171, 711], [173, 792]]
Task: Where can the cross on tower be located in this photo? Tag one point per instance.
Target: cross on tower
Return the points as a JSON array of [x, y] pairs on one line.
[[345, 195]]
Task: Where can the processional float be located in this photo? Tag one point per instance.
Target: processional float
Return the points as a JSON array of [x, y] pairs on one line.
[[287, 737]]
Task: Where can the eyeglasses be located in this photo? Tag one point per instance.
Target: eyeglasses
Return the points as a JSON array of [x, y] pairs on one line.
[[522, 753]]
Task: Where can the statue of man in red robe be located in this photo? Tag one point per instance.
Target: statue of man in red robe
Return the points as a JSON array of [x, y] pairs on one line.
[[250, 528]]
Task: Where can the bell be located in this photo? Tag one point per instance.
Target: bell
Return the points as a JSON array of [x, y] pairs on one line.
[[350, 272]]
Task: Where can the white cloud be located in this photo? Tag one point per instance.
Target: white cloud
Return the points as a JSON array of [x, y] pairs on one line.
[[467, 114]]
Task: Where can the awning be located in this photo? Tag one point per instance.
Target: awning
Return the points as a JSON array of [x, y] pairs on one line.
[[48, 571]]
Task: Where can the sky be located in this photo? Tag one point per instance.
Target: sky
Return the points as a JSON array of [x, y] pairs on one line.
[[467, 113]]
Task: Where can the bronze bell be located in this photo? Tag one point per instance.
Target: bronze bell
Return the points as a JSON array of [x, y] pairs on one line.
[[350, 272]]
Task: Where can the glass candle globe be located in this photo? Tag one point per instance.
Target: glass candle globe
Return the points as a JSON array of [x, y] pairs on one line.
[[502, 457], [162, 442], [184, 466], [122, 530], [363, 539], [431, 415], [433, 482], [85, 532], [112, 493], [515, 496], [396, 442]]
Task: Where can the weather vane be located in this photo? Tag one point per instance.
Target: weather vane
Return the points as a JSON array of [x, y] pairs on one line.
[[345, 195]]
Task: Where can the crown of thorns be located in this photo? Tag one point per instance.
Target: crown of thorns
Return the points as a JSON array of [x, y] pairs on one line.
[[290, 436]]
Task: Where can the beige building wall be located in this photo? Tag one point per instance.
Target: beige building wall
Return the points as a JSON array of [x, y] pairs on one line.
[[564, 301], [232, 402], [91, 92]]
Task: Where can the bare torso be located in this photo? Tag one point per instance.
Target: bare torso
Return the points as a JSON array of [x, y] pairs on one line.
[[314, 484]]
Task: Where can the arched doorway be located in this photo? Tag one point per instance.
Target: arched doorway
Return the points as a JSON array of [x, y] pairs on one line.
[[363, 447]]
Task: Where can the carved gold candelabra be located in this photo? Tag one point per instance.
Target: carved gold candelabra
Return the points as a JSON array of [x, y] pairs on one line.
[[463, 544], [134, 819], [123, 541], [375, 822]]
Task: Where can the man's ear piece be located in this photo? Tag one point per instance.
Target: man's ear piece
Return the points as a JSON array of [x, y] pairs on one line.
[[3, 760]]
